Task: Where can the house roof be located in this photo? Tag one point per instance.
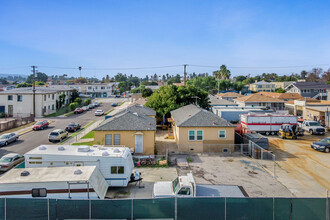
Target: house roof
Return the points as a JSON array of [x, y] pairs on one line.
[[310, 85], [193, 116], [230, 94], [139, 109], [39, 90], [128, 121], [217, 101], [261, 83], [258, 98], [281, 95]]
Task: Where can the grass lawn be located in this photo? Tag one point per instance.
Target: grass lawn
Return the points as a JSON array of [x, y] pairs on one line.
[[71, 113], [60, 111], [122, 103], [109, 111], [88, 135], [90, 143]]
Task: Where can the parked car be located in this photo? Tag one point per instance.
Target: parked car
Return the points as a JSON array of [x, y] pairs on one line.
[[10, 160], [8, 138], [85, 108], [57, 135], [118, 96], [114, 104], [322, 145], [313, 127], [78, 110], [90, 106], [96, 104], [72, 127], [99, 112], [40, 125]]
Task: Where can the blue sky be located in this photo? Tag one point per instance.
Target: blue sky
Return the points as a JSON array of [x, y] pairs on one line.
[[259, 36]]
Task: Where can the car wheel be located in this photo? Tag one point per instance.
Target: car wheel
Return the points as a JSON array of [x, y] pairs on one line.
[[327, 150], [6, 143], [42, 128], [267, 133]]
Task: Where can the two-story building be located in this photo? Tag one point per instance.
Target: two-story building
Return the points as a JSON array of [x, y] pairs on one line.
[[101, 90], [262, 86], [317, 90], [261, 101], [19, 102]]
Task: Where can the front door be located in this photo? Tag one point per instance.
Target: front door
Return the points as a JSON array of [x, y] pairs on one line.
[[138, 143], [10, 110]]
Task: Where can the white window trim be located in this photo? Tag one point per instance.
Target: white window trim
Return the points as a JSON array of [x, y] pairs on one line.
[[194, 135], [219, 134], [202, 135]]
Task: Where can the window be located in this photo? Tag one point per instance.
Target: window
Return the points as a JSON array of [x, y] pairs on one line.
[[19, 98], [39, 192], [53, 96], [191, 135], [222, 134], [10, 97], [53, 107], [102, 87], [184, 191], [89, 88], [200, 135], [48, 107], [116, 139], [117, 170], [45, 97], [49, 96], [108, 139], [35, 162]]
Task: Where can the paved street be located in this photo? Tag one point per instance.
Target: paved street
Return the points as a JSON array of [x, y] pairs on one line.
[[33, 139]]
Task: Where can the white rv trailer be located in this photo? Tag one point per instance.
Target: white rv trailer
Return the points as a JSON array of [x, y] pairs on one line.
[[266, 123], [54, 182], [115, 163]]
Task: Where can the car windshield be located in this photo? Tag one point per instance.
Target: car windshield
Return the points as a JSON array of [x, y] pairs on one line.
[[39, 123], [70, 125], [176, 185], [54, 133], [314, 124], [5, 136], [6, 159], [325, 140]]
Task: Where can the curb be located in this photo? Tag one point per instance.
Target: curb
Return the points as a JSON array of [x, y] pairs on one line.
[[30, 129]]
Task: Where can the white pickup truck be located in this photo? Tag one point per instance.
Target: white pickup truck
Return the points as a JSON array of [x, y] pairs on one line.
[[185, 186], [313, 127]]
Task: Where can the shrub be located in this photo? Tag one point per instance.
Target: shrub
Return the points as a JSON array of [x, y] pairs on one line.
[[78, 100], [73, 106], [87, 101]]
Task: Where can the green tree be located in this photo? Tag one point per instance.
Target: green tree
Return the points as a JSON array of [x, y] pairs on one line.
[[62, 100], [74, 95], [80, 80], [41, 77], [73, 106], [207, 83], [120, 77], [24, 84], [175, 79], [146, 92], [280, 90], [87, 102], [78, 100]]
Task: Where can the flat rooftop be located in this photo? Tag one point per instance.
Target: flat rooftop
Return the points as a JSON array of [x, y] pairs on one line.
[[80, 150], [48, 174]]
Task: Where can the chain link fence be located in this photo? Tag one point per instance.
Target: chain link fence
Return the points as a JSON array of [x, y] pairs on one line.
[[168, 208]]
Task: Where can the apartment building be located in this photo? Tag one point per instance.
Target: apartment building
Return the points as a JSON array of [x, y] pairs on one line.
[[101, 90], [19, 102], [262, 86]]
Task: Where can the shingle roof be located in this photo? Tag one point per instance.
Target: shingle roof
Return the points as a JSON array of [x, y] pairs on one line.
[[230, 94], [258, 98], [311, 85], [217, 101], [39, 90], [193, 116], [139, 109], [128, 121], [281, 95], [261, 83]]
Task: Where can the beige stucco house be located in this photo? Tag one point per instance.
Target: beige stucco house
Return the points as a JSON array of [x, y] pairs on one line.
[[198, 130], [129, 128], [262, 86]]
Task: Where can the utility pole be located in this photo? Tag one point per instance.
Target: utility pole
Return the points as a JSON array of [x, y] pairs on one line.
[[34, 90], [79, 68], [184, 73]]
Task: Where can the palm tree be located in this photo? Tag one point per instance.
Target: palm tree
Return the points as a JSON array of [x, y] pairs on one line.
[[224, 72]]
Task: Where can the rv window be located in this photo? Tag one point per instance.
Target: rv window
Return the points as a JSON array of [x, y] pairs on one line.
[[113, 170], [35, 158], [120, 170], [35, 162], [41, 192], [184, 191]]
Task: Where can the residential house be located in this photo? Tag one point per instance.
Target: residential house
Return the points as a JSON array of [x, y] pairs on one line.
[[19, 102], [316, 90], [282, 85], [282, 96], [100, 90], [153, 88], [140, 110], [262, 86], [198, 130], [129, 129], [217, 102], [230, 96], [260, 101]]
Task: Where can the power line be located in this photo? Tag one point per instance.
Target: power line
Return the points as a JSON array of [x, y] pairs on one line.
[[263, 67]]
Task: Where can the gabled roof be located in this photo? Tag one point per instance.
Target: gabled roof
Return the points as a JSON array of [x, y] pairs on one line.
[[217, 101], [281, 95], [128, 121], [258, 98], [193, 116], [310, 85], [230, 94], [139, 109]]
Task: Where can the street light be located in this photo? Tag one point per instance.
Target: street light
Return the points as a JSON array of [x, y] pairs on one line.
[[79, 68]]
